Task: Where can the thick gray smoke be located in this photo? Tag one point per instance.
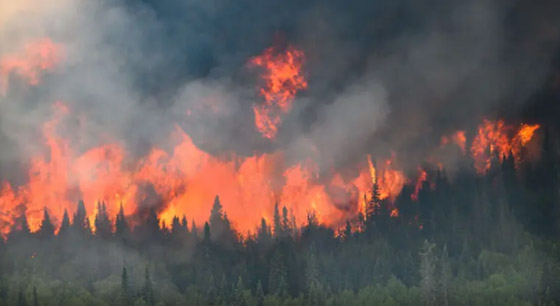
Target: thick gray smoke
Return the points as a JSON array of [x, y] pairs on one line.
[[383, 75]]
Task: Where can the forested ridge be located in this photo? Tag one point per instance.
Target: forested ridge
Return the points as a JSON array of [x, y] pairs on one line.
[[471, 240]]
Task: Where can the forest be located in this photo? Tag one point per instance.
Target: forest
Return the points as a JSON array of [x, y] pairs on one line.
[[263, 153], [475, 239]]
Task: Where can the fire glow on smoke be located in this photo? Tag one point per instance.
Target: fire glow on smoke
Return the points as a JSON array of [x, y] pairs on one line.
[[186, 179]]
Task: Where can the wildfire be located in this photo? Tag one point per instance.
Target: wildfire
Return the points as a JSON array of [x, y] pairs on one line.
[[282, 78], [526, 132], [494, 137], [422, 177], [185, 179], [36, 57], [390, 180], [459, 138]]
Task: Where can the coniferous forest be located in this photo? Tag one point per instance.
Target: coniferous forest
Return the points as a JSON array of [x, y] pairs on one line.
[[279, 153], [476, 240]]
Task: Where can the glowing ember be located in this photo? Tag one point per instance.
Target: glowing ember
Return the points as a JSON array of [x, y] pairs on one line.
[[38, 56], [282, 79]]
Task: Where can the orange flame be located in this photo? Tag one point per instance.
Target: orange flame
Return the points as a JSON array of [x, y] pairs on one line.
[[493, 138], [459, 138], [389, 181], [422, 177], [525, 133], [184, 181], [282, 80], [37, 56]]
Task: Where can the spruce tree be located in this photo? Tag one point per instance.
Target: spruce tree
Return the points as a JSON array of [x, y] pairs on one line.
[[311, 268], [216, 216], [46, 230], [347, 231], [239, 298], [259, 293], [152, 226], [177, 233], [65, 225], [428, 280], [445, 276], [194, 231], [278, 232], [263, 233], [21, 301], [81, 223], [185, 225], [102, 222], [35, 297], [121, 225], [147, 290], [207, 236], [285, 222], [278, 275], [125, 294]]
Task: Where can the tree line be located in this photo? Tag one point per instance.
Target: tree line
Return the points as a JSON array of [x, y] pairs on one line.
[[472, 240]]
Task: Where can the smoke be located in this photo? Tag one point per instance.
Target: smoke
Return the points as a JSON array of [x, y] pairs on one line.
[[383, 76]]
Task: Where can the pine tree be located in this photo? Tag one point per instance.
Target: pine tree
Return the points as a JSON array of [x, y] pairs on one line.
[[46, 230], [278, 232], [278, 275], [550, 281], [285, 222], [216, 216], [374, 202], [147, 290], [81, 222], [102, 222], [220, 225], [548, 176], [347, 231], [125, 295], [259, 293], [65, 225], [210, 288], [428, 281], [239, 298], [121, 225], [177, 233], [311, 268], [35, 297], [445, 276], [21, 301], [152, 225], [223, 291], [263, 235], [207, 236], [20, 228], [194, 231], [185, 225]]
